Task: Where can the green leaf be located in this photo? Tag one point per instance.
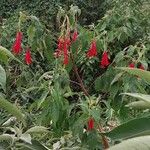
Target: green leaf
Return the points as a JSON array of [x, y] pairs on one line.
[[42, 98], [116, 78], [12, 109], [7, 53], [139, 105], [34, 146], [140, 96], [133, 128], [143, 74], [2, 78], [7, 137], [31, 33], [138, 143], [37, 129], [26, 138]]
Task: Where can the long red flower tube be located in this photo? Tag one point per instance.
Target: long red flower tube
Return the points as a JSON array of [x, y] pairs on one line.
[[104, 61], [92, 52], [17, 44], [28, 58], [90, 124]]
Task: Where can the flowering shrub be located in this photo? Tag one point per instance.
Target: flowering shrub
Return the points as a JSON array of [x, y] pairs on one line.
[[79, 89]]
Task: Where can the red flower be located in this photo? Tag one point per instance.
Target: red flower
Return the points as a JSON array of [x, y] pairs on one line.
[[141, 67], [17, 44], [104, 61], [28, 58], [62, 49], [60, 43], [75, 36], [131, 65], [93, 50], [90, 124], [66, 58]]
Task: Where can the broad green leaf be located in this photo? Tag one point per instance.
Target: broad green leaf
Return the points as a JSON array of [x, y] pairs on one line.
[[42, 98], [26, 138], [139, 105], [139, 96], [31, 33], [37, 129], [138, 143], [143, 74], [7, 137], [116, 78], [7, 53], [2, 78], [12, 109], [34, 146], [133, 128]]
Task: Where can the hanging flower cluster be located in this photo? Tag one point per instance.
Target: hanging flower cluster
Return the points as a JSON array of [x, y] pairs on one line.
[[17, 48], [63, 47], [92, 52], [104, 61], [17, 44]]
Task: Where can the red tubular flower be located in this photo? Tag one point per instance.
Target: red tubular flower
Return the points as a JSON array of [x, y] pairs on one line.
[[60, 43], [93, 50], [90, 124], [74, 36], [17, 44], [66, 58], [141, 67], [104, 61], [131, 65], [28, 58]]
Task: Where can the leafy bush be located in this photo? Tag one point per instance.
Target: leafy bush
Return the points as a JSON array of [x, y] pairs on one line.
[[74, 86]]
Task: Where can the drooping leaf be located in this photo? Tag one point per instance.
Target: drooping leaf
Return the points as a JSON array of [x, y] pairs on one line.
[[2, 78], [42, 98], [34, 146], [139, 105], [12, 109], [133, 128], [7, 137], [139, 96], [37, 129], [7, 53], [138, 143]]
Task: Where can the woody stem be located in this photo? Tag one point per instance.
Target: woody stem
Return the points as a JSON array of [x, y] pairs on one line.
[[104, 139], [78, 76]]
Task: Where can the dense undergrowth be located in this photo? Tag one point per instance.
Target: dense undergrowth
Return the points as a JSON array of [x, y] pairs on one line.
[[72, 78]]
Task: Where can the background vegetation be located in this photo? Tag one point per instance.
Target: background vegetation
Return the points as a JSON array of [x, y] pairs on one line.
[[46, 104]]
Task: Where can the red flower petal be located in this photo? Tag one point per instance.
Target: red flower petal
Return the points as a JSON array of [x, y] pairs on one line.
[[66, 57], [28, 58], [92, 52], [131, 65], [104, 61], [74, 36], [17, 44], [90, 124]]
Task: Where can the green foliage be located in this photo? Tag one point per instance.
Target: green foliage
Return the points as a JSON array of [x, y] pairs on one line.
[[137, 143], [52, 103], [12, 109], [133, 128]]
